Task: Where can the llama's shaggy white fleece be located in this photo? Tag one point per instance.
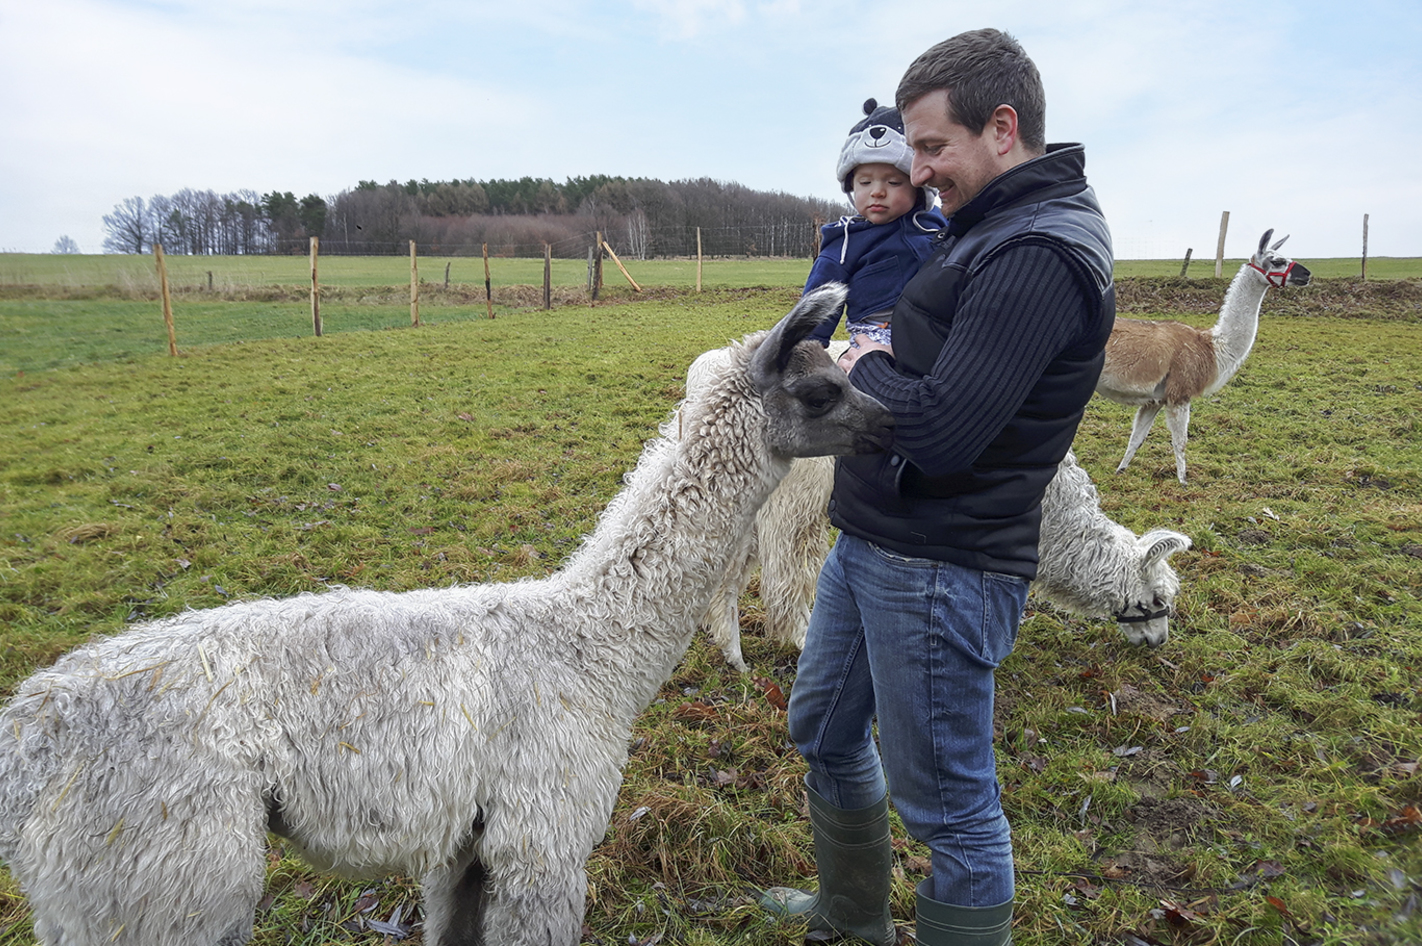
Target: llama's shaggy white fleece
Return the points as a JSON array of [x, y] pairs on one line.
[[1088, 564], [470, 736], [1095, 567]]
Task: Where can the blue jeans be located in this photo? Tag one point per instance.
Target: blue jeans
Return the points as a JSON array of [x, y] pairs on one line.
[[915, 643]]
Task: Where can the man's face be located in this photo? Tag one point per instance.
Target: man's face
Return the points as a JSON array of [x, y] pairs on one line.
[[882, 192], [957, 160]]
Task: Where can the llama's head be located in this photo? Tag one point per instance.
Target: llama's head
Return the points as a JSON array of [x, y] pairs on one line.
[[811, 408], [1146, 617], [1278, 270]]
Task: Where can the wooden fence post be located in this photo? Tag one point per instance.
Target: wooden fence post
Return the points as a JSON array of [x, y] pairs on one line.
[[547, 276], [1365, 247], [1185, 266], [488, 285], [635, 287], [698, 259], [446, 274], [414, 288], [167, 299], [1219, 249], [597, 266], [315, 287]]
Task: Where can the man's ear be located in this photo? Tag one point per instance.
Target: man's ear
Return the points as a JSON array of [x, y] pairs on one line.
[[1003, 126]]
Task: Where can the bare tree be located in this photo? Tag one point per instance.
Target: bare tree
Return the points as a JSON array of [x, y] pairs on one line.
[[128, 227], [66, 245], [638, 233]]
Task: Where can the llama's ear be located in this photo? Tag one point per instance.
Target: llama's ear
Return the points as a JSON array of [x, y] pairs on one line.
[[1264, 240], [813, 308], [1280, 242], [1161, 544]]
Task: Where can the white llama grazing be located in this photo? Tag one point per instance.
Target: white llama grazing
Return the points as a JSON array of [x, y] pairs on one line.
[[1088, 564], [471, 736], [1150, 365], [1097, 568]]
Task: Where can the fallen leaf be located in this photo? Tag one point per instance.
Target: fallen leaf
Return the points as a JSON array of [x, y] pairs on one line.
[[917, 864], [1179, 914], [1268, 869], [697, 712], [724, 779], [773, 694]]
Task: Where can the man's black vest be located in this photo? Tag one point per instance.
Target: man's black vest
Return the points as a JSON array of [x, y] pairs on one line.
[[988, 517]]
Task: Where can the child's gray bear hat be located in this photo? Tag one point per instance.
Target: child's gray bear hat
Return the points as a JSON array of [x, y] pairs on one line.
[[878, 138]]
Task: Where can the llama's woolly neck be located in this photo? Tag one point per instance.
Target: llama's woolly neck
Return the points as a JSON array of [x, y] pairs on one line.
[[1233, 335], [663, 543]]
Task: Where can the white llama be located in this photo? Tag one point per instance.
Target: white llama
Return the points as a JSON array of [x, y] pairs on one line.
[[1097, 568], [471, 736], [1150, 365], [1088, 564]]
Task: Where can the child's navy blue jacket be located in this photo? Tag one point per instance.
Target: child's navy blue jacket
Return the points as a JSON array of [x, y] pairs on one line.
[[875, 260]]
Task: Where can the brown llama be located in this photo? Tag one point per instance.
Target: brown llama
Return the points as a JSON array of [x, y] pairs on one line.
[[1150, 365]]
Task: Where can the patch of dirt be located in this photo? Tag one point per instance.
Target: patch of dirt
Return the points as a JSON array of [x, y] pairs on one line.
[[1168, 823], [1128, 699], [1399, 299], [1162, 826]]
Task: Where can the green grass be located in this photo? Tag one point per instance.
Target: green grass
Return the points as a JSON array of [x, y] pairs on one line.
[[1253, 782]]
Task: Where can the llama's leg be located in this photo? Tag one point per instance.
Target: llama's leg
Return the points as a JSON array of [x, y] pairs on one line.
[[723, 616], [790, 567], [793, 531], [537, 840], [1145, 416], [1177, 418], [723, 622], [455, 898]]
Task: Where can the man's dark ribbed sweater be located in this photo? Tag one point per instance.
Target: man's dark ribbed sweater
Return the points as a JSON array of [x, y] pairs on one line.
[[998, 342]]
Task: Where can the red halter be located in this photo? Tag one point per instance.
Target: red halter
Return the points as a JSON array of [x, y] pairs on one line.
[[1269, 277]]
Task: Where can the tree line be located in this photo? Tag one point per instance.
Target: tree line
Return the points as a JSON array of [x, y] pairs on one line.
[[638, 217]]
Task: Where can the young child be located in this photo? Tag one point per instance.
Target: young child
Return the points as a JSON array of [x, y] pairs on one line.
[[878, 249]]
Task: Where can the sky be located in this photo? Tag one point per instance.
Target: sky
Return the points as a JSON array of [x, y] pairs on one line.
[[1296, 117]]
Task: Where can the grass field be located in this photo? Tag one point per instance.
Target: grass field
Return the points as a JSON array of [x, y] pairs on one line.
[[1253, 782], [67, 310], [237, 273]]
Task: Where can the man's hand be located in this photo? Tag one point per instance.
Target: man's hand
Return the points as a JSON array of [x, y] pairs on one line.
[[860, 345]]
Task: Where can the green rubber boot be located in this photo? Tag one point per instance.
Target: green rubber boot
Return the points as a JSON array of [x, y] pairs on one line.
[[942, 924], [855, 864]]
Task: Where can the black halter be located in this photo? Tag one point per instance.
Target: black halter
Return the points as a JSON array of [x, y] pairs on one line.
[[1143, 617]]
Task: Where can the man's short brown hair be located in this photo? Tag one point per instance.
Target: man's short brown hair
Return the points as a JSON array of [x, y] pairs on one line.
[[980, 70]]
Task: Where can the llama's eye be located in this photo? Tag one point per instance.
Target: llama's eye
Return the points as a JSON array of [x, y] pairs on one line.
[[821, 401]]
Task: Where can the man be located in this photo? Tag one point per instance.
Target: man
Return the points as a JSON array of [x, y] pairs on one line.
[[997, 344]]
